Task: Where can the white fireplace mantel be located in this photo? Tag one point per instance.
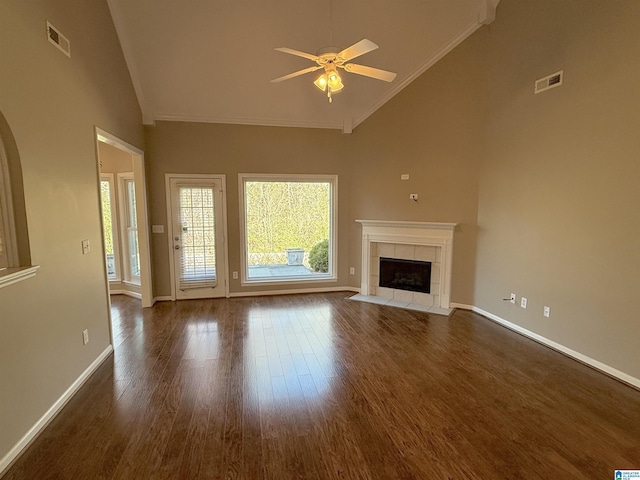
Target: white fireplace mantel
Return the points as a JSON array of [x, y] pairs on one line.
[[410, 233]]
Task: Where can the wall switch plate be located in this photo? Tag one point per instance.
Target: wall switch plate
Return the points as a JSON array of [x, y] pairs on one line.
[[523, 302], [86, 247], [85, 337], [513, 298], [413, 196], [352, 271], [546, 311], [404, 176], [235, 275], [157, 228]]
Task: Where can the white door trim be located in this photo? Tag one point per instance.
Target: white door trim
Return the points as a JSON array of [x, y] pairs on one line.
[[225, 252], [141, 212]]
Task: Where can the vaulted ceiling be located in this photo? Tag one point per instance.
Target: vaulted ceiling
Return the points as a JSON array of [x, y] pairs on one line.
[[212, 60]]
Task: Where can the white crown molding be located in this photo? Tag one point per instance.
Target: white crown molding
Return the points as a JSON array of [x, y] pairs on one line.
[[127, 51], [488, 11], [457, 40], [262, 122]]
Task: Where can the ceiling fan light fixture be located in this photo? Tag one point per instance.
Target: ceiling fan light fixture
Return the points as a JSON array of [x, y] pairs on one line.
[[334, 81], [330, 59], [321, 82]]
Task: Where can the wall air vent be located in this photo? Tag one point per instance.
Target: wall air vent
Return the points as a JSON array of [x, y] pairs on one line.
[[59, 40], [551, 81]]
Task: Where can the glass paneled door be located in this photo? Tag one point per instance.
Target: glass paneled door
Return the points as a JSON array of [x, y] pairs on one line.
[[197, 237]]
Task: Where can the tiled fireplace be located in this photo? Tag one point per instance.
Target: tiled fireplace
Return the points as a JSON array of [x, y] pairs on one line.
[[422, 241]]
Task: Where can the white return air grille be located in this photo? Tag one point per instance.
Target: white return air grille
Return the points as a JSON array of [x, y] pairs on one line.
[[551, 81], [58, 39]]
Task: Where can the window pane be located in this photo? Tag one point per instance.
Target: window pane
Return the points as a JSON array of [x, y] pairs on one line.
[[134, 257], [198, 253], [288, 229], [132, 221], [107, 222]]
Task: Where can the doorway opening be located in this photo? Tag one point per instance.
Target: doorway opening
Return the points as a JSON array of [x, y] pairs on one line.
[[123, 201]]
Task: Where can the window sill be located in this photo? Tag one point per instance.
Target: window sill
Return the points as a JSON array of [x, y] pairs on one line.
[[246, 282], [9, 276]]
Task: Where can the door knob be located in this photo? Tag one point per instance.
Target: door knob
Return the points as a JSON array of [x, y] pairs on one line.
[[177, 247]]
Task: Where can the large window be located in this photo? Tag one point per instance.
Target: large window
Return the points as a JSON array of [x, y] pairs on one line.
[[288, 227], [129, 224], [110, 226]]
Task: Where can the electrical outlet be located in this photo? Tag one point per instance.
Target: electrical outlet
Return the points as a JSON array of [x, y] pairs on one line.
[[513, 298], [85, 337], [352, 270], [404, 176], [235, 275], [546, 311], [413, 196], [86, 247], [523, 302]]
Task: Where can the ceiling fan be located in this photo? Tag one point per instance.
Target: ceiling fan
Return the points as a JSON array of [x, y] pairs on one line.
[[330, 59]]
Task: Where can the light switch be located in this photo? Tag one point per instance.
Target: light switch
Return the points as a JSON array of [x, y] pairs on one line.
[[157, 228]]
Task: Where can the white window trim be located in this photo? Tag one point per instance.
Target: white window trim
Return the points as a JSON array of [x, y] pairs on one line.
[[115, 223], [333, 250], [123, 211]]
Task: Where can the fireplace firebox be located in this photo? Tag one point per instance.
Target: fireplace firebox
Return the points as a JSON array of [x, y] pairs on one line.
[[411, 275]]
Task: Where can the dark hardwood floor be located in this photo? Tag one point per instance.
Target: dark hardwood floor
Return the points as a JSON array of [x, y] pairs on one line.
[[320, 387]]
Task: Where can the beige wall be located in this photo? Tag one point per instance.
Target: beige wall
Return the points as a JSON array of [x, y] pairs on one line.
[[232, 149], [114, 160], [52, 104], [559, 216], [431, 131]]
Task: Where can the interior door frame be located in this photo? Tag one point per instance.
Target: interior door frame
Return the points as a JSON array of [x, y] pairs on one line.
[[225, 252], [144, 249]]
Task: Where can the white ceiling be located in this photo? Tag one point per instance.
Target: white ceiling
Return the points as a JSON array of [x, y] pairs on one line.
[[212, 60]]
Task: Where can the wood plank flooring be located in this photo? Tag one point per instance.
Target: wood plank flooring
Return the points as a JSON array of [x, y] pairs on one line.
[[321, 387]]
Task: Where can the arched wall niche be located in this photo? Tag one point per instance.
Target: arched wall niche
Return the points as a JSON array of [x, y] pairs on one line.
[[13, 201]]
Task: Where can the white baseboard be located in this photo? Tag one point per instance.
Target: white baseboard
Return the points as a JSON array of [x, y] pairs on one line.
[[463, 306], [127, 293], [626, 378], [40, 425], [162, 298], [294, 291]]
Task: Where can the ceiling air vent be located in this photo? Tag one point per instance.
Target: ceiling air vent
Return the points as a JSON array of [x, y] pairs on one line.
[[551, 81], [59, 40]]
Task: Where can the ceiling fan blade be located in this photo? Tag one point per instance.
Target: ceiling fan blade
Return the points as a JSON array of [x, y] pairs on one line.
[[370, 72], [357, 49], [297, 52], [295, 74]]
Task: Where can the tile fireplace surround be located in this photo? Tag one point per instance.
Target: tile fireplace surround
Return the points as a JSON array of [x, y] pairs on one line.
[[426, 241]]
